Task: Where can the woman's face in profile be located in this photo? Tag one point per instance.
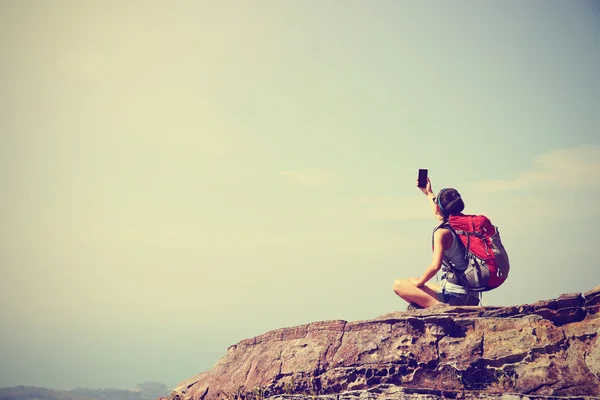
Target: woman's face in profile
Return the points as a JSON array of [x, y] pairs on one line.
[[436, 209]]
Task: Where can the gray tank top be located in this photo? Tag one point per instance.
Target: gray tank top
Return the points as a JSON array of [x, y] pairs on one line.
[[455, 255]]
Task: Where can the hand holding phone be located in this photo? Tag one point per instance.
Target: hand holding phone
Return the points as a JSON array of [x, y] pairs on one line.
[[422, 180]]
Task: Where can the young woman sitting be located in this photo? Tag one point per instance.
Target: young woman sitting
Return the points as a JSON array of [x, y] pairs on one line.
[[447, 250]]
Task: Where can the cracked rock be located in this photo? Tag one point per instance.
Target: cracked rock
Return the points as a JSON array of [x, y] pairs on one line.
[[541, 350]]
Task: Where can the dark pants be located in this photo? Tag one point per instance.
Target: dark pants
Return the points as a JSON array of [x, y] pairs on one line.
[[452, 299]]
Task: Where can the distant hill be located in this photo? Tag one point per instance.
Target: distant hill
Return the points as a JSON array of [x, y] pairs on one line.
[[144, 391]]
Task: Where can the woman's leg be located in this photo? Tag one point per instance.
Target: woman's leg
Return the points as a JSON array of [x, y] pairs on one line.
[[425, 296]]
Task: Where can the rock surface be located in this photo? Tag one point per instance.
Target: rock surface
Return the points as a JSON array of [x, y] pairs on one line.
[[549, 348]]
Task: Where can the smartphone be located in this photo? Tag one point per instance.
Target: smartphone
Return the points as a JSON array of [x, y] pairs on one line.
[[422, 178]]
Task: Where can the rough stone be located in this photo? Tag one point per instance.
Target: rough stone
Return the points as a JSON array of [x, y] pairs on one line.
[[548, 349]]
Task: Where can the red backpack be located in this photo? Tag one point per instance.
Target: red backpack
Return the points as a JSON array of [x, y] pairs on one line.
[[488, 264]]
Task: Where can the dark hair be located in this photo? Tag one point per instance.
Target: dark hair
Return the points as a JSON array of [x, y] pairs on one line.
[[450, 202]]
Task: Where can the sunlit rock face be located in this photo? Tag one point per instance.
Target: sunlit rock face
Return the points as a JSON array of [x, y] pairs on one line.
[[549, 348]]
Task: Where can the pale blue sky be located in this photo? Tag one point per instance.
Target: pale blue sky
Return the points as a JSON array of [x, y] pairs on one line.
[[179, 176]]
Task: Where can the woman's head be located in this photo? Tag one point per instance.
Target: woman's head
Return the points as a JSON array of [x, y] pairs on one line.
[[449, 202]]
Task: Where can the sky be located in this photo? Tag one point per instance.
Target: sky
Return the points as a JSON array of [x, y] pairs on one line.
[[179, 176]]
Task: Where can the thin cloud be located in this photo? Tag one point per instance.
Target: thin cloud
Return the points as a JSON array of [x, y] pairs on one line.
[[562, 168], [309, 176]]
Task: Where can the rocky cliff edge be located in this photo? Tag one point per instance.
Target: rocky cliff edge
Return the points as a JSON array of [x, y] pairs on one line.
[[546, 349]]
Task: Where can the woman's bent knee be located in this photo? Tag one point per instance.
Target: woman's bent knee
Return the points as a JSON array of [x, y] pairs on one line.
[[423, 296], [400, 285]]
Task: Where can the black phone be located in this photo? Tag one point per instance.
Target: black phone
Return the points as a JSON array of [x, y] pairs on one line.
[[422, 178]]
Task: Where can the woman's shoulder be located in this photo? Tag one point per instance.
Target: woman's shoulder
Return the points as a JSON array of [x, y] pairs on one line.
[[443, 231], [445, 236]]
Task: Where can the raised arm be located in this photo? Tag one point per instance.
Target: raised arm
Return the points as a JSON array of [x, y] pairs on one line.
[[428, 191]]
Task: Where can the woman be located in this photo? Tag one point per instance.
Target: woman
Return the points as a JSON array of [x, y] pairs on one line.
[[447, 249]]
